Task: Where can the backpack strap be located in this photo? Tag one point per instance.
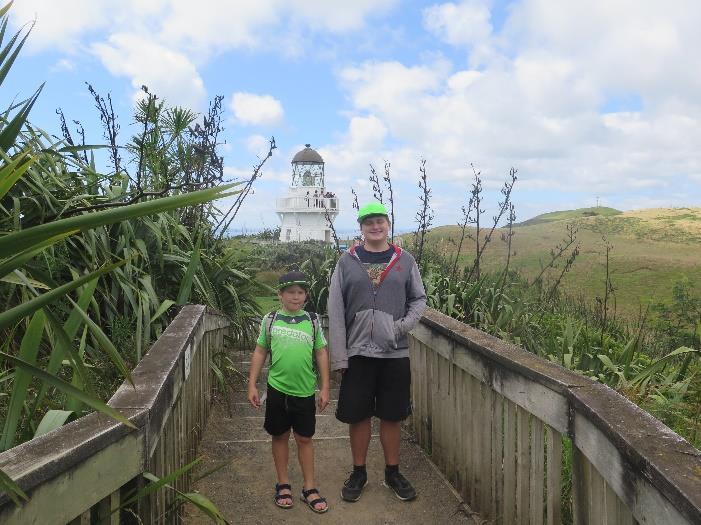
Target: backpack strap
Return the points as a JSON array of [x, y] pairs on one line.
[[315, 325], [269, 329]]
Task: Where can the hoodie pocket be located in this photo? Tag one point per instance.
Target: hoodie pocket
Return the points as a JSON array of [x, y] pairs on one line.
[[383, 333], [359, 332]]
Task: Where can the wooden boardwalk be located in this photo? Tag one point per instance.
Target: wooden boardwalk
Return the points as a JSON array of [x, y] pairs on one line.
[[243, 488]]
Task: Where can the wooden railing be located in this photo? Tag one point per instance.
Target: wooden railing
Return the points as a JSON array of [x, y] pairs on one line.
[[82, 471], [527, 441]]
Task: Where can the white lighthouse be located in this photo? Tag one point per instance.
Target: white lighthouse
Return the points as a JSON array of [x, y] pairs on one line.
[[304, 209]]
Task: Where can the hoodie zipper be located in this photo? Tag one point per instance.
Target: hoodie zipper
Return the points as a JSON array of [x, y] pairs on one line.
[[372, 286]]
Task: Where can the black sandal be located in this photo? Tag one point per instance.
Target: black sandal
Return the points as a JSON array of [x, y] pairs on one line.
[[278, 496], [310, 504]]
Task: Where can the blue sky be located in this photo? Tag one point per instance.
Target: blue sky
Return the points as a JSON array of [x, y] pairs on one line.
[[595, 99]]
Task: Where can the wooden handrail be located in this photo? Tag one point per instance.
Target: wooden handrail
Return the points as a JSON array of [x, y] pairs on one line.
[[496, 418], [84, 468]]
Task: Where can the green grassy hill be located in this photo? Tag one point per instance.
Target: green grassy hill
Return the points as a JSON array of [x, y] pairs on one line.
[[652, 249], [568, 215]]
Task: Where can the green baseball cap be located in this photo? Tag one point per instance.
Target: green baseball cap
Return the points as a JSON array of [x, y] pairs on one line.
[[372, 209]]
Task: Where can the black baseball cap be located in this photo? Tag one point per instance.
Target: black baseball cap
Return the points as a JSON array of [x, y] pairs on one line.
[[291, 278]]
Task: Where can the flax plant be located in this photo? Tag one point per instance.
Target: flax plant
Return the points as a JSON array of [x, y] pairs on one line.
[[82, 251]]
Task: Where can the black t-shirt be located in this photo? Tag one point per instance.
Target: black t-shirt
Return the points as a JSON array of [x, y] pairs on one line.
[[374, 257], [375, 262]]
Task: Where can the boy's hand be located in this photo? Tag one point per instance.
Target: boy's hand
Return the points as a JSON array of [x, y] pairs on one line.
[[323, 399], [253, 397]]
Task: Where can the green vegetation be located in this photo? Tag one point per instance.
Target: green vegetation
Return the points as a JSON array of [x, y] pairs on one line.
[[628, 315], [94, 262], [568, 215], [651, 252], [272, 259]]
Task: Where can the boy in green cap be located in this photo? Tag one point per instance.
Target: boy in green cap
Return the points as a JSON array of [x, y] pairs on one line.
[[376, 297], [292, 335]]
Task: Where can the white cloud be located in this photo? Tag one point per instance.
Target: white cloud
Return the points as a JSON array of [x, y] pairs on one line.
[[258, 145], [467, 23], [256, 110], [63, 65], [213, 25], [529, 92], [338, 15], [162, 43], [367, 133], [642, 46], [167, 73], [216, 25], [536, 101], [60, 24]]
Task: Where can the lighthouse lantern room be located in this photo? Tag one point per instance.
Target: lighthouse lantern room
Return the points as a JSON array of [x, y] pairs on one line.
[[304, 210]]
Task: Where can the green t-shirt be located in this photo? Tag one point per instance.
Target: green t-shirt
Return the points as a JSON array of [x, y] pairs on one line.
[[291, 363]]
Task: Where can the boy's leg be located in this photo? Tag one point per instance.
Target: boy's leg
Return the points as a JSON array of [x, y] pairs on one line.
[[305, 453], [359, 441], [277, 424], [303, 412], [281, 455], [392, 407], [390, 437], [356, 406], [356, 403]]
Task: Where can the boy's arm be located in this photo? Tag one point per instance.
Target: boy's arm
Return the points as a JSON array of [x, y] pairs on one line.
[[337, 322], [257, 360], [322, 364], [416, 302]]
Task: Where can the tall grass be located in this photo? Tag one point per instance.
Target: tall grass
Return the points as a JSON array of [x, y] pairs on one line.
[[637, 360], [94, 262]]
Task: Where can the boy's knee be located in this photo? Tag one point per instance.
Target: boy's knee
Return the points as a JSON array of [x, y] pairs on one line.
[[282, 437], [302, 440]]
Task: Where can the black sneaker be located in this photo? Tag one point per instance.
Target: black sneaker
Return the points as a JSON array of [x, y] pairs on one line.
[[353, 486], [400, 485]]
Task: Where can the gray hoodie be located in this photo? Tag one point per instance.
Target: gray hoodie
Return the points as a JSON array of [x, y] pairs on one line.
[[368, 321]]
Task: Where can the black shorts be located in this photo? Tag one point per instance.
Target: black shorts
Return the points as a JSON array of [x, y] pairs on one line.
[[373, 386], [283, 411]]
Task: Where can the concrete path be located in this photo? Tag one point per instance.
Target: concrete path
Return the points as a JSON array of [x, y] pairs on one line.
[[243, 488]]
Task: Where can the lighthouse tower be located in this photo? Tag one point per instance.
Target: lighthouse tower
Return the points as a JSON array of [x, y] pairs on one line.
[[303, 210]]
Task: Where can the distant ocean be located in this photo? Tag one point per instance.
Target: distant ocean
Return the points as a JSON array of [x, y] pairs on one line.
[[342, 233]]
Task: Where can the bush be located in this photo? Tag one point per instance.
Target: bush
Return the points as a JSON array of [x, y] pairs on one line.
[[288, 256]]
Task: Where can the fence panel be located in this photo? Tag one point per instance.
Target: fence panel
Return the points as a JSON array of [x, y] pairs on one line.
[[493, 417], [91, 464]]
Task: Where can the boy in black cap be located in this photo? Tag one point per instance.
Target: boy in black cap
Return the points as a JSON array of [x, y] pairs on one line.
[[292, 335]]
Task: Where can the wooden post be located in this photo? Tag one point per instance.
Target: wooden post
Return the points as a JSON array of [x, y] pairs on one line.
[[467, 424], [106, 509], [510, 436], [580, 493], [497, 456], [523, 467], [476, 459], [597, 500], [486, 449], [460, 416], [554, 459], [537, 471]]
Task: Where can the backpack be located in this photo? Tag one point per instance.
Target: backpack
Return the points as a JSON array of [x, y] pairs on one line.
[[271, 319]]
